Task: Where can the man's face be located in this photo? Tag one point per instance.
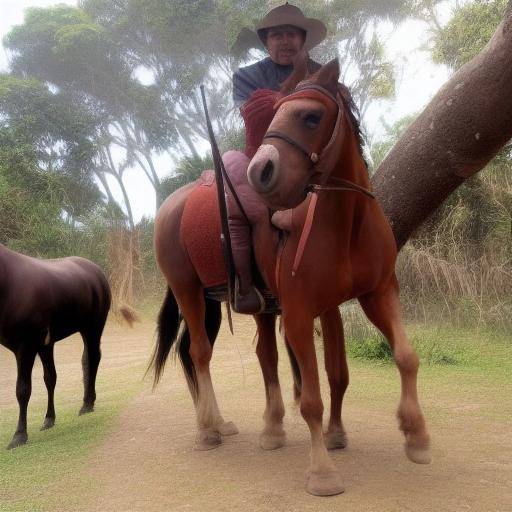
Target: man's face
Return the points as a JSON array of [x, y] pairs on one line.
[[283, 43]]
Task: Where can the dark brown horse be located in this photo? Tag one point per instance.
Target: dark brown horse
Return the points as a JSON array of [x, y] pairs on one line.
[[42, 302], [343, 249]]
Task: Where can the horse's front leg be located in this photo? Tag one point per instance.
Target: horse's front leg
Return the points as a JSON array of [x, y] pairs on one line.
[[335, 359], [25, 357], [273, 435], [323, 477], [383, 310]]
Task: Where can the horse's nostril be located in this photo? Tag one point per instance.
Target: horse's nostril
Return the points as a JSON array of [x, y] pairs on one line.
[[267, 172]]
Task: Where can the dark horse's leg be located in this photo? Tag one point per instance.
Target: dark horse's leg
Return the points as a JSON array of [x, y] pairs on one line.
[[25, 357], [383, 310], [90, 360], [273, 435], [323, 477], [50, 379], [335, 360]]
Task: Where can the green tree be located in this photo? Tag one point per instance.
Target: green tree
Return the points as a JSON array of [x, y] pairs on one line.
[[469, 30], [65, 47]]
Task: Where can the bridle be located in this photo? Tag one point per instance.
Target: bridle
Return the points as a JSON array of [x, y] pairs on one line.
[[320, 163], [316, 92], [313, 91]]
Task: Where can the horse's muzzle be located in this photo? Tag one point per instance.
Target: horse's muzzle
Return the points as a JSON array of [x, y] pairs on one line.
[[263, 171]]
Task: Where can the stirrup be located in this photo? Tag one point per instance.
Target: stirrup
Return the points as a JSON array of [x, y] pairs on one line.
[[250, 303]]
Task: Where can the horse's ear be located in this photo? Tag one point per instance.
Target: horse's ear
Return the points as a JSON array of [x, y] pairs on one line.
[[327, 76]]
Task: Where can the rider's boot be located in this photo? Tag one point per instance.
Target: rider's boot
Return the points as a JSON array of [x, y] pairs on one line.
[[247, 298]]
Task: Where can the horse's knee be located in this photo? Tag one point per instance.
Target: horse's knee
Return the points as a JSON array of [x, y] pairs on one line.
[[311, 410], [407, 360], [50, 380], [23, 391]]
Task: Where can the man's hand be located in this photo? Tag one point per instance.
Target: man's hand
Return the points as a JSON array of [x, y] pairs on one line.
[[299, 73]]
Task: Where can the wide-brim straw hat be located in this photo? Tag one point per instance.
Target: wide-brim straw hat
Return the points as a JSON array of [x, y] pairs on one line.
[[288, 14]]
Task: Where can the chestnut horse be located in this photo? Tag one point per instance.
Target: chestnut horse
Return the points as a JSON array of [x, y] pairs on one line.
[[342, 249], [42, 302]]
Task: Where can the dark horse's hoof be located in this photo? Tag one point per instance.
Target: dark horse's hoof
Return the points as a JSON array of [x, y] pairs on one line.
[[48, 423], [19, 439], [85, 409]]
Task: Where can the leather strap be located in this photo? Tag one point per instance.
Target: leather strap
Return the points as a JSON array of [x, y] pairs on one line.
[[280, 135], [306, 230]]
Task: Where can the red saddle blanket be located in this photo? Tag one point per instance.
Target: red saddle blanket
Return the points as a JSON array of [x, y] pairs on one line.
[[200, 232]]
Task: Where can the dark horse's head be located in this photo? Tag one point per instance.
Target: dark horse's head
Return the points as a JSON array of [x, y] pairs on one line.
[[300, 142]]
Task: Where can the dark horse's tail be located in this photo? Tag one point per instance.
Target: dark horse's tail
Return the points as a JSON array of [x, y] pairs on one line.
[[169, 335]]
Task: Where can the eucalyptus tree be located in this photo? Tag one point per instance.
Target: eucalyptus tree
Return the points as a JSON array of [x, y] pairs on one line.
[[180, 44], [64, 47], [41, 134]]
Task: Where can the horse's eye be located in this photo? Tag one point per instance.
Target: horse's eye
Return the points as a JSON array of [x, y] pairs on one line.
[[312, 120]]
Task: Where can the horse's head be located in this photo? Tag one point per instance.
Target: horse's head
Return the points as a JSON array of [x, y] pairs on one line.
[[298, 145]]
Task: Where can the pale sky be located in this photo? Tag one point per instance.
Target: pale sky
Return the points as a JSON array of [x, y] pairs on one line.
[[419, 80]]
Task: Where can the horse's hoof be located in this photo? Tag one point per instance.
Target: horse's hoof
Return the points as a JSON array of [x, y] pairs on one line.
[[86, 408], [19, 439], [418, 455], [207, 439], [48, 423], [325, 483], [272, 441], [228, 428], [335, 439]]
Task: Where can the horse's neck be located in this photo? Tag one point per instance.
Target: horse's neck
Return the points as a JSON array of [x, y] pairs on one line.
[[351, 165], [340, 208]]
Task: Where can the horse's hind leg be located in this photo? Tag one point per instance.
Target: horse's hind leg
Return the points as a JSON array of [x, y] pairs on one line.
[[91, 357], [335, 360], [50, 380], [383, 310], [273, 435], [209, 420], [25, 357]]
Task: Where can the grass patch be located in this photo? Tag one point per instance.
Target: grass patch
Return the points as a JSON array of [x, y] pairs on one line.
[[29, 473], [372, 349], [46, 473]]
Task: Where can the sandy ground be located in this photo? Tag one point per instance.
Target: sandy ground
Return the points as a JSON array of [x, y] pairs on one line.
[[148, 463]]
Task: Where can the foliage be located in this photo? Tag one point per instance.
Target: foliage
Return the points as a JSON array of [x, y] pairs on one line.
[[187, 171], [468, 32]]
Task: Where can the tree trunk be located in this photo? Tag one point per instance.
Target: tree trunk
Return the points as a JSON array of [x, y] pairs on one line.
[[460, 131]]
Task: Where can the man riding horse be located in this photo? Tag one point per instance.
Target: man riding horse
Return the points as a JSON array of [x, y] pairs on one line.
[[287, 35]]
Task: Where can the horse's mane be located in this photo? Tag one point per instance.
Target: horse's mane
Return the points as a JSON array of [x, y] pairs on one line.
[[354, 117], [350, 108]]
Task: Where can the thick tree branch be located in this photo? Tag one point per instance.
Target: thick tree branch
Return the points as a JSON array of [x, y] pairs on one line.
[[460, 131]]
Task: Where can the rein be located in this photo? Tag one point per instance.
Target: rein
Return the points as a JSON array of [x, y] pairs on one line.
[[311, 91]]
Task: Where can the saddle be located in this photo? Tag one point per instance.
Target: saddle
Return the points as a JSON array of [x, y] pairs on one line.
[[200, 232]]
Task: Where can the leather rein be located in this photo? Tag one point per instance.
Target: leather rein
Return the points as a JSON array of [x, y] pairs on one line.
[[317, 162]]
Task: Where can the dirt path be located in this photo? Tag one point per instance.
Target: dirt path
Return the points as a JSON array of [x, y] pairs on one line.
[[148, 463]]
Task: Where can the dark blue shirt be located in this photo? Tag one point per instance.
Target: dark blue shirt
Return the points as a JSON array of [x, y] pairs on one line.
[[264, 74]]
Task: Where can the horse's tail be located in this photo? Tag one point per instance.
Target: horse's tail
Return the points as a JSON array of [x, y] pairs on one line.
[[297, 380], [169, 320], [128, 314]]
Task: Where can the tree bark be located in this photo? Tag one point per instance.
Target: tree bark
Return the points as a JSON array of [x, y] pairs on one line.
[[461, 130]]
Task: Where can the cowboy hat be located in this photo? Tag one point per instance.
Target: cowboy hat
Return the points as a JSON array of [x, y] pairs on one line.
[[288, 14]]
